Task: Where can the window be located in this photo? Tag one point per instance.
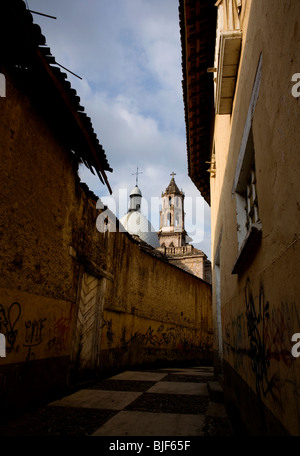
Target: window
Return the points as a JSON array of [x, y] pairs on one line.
[[249, 226], [246, 194], [251, 200], [169, 218], [247, 208]]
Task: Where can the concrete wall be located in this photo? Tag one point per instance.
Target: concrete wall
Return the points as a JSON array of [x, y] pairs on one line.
[[259, 305], [143, 308]]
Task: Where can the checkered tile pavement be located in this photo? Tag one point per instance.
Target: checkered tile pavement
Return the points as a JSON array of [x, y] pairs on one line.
[[161, 402]]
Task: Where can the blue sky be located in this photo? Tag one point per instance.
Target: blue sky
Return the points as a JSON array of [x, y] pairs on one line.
[[128, 54]]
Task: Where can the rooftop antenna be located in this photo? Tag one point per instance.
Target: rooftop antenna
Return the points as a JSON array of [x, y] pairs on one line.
[[74, 74], [137, 175], [41, 14], [36, 12]]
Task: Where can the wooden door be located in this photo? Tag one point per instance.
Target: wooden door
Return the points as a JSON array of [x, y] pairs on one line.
[[86, 340]]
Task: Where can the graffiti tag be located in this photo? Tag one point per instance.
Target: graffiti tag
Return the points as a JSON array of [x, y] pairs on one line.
[[8, 321]]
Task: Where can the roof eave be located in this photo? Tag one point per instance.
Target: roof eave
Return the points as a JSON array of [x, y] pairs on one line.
[[198, 30], [17, 24]]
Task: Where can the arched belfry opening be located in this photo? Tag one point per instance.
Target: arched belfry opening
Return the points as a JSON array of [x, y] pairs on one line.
[[172, 230]]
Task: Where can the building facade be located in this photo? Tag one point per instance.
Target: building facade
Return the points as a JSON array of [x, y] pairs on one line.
[[172, 231], [75, 298], [246, 135], [173, 238]]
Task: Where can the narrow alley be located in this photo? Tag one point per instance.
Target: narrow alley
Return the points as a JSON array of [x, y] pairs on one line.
[[163, 301], [153, 402]]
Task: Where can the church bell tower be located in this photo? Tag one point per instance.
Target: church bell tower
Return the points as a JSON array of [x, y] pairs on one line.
[[172, 232]]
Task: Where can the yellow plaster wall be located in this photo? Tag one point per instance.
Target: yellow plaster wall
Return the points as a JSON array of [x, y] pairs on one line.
[[34, 327], [149, 297], [257, 339], [47, 236]]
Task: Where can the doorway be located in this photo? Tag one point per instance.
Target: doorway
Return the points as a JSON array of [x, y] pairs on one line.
[[87, 331]]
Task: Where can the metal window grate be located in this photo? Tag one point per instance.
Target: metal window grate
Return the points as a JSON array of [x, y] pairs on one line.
[[251, 200]]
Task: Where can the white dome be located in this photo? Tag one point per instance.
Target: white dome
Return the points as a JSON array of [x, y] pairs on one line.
[[137, 224], [136, 191]]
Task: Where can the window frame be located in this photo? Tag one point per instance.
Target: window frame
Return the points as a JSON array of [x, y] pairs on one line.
[[248, 231]]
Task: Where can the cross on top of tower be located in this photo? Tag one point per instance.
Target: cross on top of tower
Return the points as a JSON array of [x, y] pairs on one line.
[[137, 175], [173, 174]]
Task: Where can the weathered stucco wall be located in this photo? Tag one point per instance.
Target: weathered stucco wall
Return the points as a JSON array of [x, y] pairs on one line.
[[142, 308], [38, 184], [195, 266], [153, 310], [37, 281], [259, 306]]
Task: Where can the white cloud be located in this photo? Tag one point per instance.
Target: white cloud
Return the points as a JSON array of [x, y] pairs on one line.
[[129, 56]]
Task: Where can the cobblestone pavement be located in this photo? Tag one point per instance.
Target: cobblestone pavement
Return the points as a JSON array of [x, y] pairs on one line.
[[158, 402]]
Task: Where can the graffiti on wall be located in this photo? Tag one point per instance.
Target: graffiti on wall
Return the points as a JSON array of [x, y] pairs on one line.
[[107, 324], [259, 352], [233, 340], [33, 336], [27, 335], [8, 323], [162, 337], [262, 333], [60, 331]]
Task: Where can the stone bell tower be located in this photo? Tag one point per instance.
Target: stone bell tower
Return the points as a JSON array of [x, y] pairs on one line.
[[172, 232]]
